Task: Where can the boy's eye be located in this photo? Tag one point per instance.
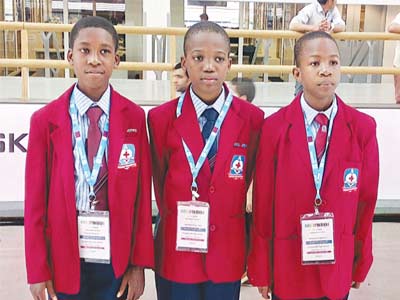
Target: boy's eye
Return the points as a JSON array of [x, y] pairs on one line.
[[334, 62], [219, 59], [84, 50], [314, 63], [198, 58], [105, 51]]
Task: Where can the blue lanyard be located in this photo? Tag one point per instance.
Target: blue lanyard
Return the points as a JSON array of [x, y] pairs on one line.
[[195, 167], [91, 177], [318, 170]]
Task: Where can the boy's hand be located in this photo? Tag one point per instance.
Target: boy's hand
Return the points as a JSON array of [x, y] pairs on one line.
[[355, 285], [264, 291], [38, 290], [134, 278]]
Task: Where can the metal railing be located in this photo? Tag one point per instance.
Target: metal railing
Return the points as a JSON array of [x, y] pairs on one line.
[[172, 32]]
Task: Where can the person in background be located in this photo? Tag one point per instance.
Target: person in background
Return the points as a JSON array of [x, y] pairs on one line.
[[88, 231], [394, 27], [320, 15], [203, 17], [180, 78], [243, 88], [315, 186], [203, 148]]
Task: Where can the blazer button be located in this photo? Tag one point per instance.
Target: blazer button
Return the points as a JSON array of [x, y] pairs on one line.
[[212, 189], [212, 227]]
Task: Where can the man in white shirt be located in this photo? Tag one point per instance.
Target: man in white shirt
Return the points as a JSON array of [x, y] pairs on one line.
[[394, 27], [321, 15]]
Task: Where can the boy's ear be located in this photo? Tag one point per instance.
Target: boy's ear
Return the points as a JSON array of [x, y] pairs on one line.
[[183, 64], [69, 57], [117, 60], [296, 73]]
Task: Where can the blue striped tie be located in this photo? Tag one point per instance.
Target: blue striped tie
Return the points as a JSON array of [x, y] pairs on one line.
[[211, 115]]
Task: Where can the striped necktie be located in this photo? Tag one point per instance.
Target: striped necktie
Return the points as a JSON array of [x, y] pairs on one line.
[[322, 133], [211, 115]]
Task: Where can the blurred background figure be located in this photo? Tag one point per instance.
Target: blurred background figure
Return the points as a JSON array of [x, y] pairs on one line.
[[394, 27], [321, 15], [243, 88], [180, 79], [203, 17]]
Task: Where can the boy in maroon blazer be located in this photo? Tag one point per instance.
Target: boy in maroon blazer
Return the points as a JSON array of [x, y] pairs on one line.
[[87, 194], [203, 149], [315, 186]]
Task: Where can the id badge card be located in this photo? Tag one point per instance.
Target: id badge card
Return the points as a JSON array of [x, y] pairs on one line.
[[94, 236], [317, 243], [192, 226]]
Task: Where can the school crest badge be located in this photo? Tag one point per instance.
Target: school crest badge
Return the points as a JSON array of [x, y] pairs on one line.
[[237, 166], [350, 180], [127, 157]]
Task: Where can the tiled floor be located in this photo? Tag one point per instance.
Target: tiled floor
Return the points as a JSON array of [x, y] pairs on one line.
[[382, 282]]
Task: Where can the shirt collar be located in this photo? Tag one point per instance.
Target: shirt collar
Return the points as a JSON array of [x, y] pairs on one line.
[[83, 102], [200, 106], [310, 113]]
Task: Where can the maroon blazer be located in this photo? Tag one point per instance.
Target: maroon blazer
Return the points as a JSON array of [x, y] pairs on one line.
[[51, 237], [226, 196], [284, 189]]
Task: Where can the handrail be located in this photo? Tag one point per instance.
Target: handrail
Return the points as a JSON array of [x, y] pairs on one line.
[[266, 34], [137, 66], [26, 63]]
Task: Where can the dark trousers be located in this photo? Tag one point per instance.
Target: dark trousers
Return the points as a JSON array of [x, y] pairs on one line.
[[97, 283], [274, 297], [171, 290]]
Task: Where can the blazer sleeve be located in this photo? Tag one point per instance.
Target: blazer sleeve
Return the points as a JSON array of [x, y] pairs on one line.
[[366, 205], [260, 257], [36, 191], [143, 249], [256, 125]]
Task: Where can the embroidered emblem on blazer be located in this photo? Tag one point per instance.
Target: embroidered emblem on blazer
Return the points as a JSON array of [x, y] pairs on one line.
[[350, 179], [236, 167], [127, 157]]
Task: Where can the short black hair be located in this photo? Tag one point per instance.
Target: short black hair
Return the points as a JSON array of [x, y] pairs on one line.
[[298, 47], [206, 26], [93, 21], [245, 86], [178, 66]]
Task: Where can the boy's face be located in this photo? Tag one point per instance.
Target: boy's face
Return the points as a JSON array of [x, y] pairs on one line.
[[93, 58], [318, 72], [180, 80], [207, 62]]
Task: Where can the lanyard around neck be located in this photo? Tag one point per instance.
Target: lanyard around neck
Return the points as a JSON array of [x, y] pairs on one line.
[[195, 167], [91, 177], [318, 169]]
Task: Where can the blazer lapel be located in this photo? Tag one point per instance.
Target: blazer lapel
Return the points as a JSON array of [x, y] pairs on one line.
[[118, 119], [188, 128], [341, 135], [228, 135], [61, 137], [297, 133]]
